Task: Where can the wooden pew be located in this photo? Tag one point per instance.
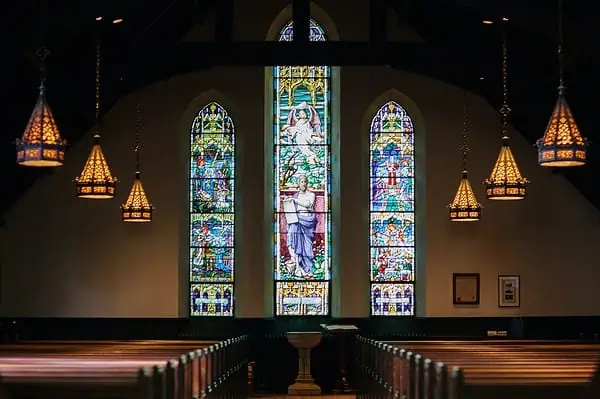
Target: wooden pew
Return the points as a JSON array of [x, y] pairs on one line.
[[478, 370], [128, 370]]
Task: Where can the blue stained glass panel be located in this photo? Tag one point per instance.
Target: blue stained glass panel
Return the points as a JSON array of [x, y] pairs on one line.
[[211, 300], [212, 217], [392, 216], [302, 181], [392, 299]]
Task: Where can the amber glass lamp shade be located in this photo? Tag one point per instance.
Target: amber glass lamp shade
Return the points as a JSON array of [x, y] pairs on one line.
[[41, 144], [465, 207], [506, 182], [562, 144], [137, 208], [96, 181]]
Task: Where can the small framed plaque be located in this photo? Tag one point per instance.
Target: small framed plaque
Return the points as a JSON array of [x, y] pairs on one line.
[[465, 288], [509, 291]]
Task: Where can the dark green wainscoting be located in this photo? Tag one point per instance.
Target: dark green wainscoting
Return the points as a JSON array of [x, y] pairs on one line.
[[215, 328]]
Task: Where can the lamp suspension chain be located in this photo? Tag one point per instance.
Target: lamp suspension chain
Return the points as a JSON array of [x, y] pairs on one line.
[[465, 143], [98, 80], [505, 109], [42, 52], [138, 136], [561, 66]]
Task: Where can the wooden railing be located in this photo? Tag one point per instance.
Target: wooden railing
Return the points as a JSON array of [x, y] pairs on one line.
[[385, 371], [216, 371]]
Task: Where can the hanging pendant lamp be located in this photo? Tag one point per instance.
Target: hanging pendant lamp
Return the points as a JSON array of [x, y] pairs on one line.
[[41, 144], [96, 180], [137, 208], [465, 207], [562, 144], [505, 181]]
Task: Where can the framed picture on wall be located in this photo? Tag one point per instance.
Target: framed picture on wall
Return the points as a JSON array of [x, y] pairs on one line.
[[509, 291], [465, 288]]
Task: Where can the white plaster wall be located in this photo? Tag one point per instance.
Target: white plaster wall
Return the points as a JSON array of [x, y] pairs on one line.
[[62, 256]]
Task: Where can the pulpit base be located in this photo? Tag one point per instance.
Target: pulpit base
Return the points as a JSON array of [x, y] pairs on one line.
[[304, 388]]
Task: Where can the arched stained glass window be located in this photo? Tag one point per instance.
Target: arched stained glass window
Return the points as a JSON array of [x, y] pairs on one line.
[[392, 212], [302, 181], [212, 213]]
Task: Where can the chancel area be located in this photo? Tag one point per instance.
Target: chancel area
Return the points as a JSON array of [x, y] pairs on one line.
[[361, 186]]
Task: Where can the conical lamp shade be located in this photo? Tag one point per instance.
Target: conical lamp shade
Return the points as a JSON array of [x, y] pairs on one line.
[[562, 144], [465, 207], [96, 181], [506, 182], [137, 208], [41, 144]]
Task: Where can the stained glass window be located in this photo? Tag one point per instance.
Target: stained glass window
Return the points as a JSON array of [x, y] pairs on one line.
[[212, 216], [302, 180], [392, 212]]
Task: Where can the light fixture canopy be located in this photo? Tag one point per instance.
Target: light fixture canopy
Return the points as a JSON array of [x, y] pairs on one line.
[[506, 181], [562, 144], [137, 208], [465, 207], [96, 180], [41, 144]]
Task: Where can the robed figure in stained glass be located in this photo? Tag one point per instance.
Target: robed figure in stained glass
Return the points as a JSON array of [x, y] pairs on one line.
[[301, 226]]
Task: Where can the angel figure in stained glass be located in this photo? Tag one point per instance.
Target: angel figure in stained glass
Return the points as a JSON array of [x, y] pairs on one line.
[[304, 127]]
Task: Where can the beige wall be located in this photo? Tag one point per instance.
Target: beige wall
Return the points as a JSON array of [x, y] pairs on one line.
[[61, 256]]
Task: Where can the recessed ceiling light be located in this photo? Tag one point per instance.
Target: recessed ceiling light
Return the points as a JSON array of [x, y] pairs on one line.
[[98, 18], [487, 22], [117, 20], [505, 19], [481, 78]]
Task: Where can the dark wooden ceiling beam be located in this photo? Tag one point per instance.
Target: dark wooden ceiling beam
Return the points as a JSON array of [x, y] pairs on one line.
[[203, 55]]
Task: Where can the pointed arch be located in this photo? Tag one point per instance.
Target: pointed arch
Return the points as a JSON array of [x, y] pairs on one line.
[[301, 139], [392, 201], [212, 212]]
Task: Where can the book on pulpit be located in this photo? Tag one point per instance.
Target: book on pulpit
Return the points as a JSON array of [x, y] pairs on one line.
[[339, 327]]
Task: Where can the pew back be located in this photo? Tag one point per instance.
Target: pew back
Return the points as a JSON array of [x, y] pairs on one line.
[[461, 369]]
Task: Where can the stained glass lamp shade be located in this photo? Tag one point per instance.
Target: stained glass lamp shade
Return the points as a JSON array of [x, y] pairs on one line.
[[96, 181], [137, 208], [506, 181], [465, 207], [562, 144], [41, 144]]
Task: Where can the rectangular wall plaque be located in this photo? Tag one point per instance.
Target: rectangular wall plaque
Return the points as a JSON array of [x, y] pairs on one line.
[[465, 288], [509, 291]]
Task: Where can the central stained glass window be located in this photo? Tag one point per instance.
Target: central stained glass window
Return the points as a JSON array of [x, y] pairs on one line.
[[302, 181]]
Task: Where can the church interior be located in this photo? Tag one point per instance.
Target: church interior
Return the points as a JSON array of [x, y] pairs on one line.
[[370, 199]]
